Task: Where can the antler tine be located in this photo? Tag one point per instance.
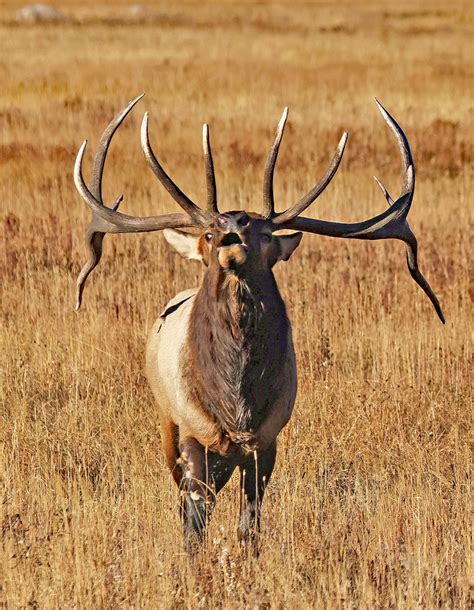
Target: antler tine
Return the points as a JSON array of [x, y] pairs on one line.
[[103, 147], [387, 196], [198, 215], [314, 193], [94, 242], [408, 181], [268, 198], [210, 175], [412, 262]]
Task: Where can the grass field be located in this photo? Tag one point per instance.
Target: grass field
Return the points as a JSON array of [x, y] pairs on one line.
[[368, 506]]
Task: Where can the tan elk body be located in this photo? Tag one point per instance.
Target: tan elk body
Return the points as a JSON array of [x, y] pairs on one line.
[[183, 373], [220, 358]]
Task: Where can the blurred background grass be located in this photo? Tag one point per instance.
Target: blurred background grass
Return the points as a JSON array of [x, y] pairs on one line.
[[368, 506]]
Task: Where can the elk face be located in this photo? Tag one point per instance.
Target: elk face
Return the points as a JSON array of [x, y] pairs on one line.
[[237, 242]]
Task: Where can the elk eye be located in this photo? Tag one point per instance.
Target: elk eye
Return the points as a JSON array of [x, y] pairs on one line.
[[266, 238], [208, 236]]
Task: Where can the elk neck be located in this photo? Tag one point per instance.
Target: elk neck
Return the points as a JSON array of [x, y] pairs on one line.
[[238, 344]]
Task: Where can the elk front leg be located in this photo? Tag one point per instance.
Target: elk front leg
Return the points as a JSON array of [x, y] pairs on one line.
[[255, 474], [197, 500], [204, 475]]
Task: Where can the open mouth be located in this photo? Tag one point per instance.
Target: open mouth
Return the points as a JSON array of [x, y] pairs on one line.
[[232, 252], [231, 239]]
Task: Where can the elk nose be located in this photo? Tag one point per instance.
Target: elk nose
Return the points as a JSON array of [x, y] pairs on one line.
[[223, 222]]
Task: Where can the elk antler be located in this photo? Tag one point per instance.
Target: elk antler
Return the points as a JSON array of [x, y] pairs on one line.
[[268, 199], [210, 176], [307, 200], [200, 216], [109, 220], [390, 224]]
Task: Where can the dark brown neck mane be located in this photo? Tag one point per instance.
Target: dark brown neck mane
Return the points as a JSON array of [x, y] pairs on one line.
[[238, 341]]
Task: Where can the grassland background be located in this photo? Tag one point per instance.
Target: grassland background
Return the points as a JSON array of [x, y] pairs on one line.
[[368, 506]]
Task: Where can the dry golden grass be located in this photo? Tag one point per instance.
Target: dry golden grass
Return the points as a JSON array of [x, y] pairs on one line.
[[368, 507]]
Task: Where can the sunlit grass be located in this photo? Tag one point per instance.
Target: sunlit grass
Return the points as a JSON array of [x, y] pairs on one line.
[[368, 506]]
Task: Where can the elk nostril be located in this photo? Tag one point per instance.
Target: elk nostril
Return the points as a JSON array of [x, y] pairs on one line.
[[229, 239], [243, 221]]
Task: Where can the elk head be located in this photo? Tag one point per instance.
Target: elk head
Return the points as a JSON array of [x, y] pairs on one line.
[[241, 242], [238, 242]]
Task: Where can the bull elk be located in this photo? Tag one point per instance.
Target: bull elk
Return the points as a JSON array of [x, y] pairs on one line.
[[220, 358]]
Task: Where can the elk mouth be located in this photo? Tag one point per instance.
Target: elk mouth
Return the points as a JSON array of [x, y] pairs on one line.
[[230, 239], [231, 252]]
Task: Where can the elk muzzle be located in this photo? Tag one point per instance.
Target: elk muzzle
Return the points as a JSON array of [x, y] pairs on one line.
[[231, 245]]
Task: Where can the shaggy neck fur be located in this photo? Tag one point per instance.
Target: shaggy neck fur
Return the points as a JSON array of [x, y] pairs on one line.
[[238, 341]]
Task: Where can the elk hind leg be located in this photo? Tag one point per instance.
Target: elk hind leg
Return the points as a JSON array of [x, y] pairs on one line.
[[169, 436]]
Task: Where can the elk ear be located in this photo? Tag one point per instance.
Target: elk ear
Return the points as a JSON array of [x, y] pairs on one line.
[[287, 244], [185, 244]]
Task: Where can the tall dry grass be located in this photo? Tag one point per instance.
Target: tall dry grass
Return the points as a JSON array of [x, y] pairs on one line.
[[368, 506]]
